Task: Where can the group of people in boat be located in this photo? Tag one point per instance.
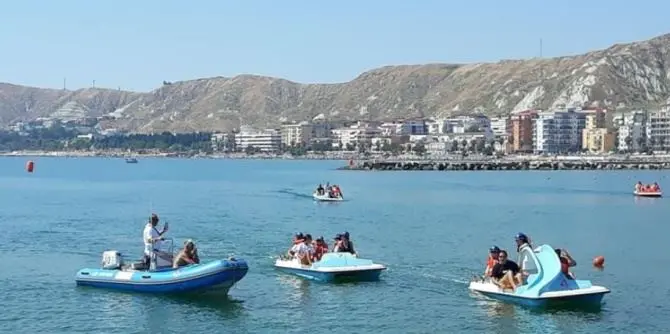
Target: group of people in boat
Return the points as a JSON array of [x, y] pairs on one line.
[[152, 245], [507, 274], [647, 188], [308, 251], [333, 191]]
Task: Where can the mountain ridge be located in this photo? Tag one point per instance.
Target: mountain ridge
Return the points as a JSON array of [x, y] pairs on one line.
[[623, 75]]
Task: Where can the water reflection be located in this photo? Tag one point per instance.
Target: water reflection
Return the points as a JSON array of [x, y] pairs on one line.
[[645, 201], [298, 292], [511, 318]]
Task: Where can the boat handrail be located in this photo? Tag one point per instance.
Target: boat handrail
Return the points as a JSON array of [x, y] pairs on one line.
[[167, 241]]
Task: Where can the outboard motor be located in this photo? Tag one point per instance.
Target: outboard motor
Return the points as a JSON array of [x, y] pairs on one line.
[[111, 260]]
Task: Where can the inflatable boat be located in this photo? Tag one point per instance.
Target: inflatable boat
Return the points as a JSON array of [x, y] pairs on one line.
[[214, 276]]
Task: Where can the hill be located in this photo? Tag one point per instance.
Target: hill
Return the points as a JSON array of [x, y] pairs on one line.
[[623, 75]]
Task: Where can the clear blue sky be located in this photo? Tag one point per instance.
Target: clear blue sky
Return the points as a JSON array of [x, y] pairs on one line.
[[137, 44]]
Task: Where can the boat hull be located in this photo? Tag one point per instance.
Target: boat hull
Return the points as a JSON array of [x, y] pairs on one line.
[[326, 198], [648, 194], [581, 297], [366, 271], [332, 277], [213, 277]]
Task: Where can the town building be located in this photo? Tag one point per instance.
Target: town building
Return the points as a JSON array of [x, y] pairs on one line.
[[631, 129], [658, 130], [520, 129], [355, 135], [596, 137], [499, 127], [296, 134], [268, 140], [559, 131], [223, 142]]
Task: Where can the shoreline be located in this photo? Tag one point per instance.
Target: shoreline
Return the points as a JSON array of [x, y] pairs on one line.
[[511, 165], [405, 162]]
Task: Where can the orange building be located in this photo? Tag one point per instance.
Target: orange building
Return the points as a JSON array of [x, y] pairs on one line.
[[521, 131]]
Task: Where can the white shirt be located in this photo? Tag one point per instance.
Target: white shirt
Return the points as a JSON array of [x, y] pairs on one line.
[[150, 234], [301, 249]]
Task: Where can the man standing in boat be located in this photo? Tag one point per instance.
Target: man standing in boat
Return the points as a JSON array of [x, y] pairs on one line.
[[152, 239]]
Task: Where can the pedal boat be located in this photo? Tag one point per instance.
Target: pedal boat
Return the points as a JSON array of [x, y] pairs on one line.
[[545, 286], [333, 267], [326, 198]]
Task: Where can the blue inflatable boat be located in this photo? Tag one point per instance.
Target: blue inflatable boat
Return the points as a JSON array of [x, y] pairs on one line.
[[333, 267], [216, 276], [545, 286]]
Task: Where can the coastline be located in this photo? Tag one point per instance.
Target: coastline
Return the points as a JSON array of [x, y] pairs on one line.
[[407, 162], [154, 154], [517, 163]]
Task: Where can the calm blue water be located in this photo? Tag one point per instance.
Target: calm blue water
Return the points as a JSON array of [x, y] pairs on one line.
[[432, 229]]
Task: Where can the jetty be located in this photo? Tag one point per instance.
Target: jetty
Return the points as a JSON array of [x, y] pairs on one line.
[[516, 163]]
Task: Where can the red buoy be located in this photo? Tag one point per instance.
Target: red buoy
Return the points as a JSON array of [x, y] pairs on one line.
[[30, 166], [599, 261]]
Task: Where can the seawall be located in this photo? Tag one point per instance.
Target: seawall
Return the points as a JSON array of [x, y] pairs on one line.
[[470, 165]]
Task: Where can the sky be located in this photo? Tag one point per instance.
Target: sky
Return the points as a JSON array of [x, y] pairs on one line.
[[135, 45]]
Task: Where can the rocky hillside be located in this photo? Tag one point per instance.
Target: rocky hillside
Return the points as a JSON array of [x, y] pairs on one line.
[[624, 75]]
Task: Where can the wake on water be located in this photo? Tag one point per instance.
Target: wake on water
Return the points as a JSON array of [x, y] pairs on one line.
[[294, 193]]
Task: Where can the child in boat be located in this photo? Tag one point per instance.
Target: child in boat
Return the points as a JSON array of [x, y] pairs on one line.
[[320, 248], [492, 260]]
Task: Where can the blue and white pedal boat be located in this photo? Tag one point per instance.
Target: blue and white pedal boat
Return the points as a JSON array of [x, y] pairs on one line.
[[333, 267], [546, 285], [216, 276]]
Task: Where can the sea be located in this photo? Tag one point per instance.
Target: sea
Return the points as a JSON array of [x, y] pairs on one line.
[[432, 229]]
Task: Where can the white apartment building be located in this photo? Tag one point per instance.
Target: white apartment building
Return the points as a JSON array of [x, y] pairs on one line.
[[631, 128], [499, 126], [354, 135], [658, 130], [463, 124], [296, 134], [268, 140], [404, 128], [559, 131]]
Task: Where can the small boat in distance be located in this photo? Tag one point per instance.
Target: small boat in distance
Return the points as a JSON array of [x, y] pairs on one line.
[[131, 160], [328, 194], [326, 197], [649, 190], [545, 286], [333, 267], [216, 276]]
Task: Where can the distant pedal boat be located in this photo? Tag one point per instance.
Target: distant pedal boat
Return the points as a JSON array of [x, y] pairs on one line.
[[326, 198]]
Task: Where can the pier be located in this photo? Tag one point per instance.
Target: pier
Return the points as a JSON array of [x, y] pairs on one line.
[[508, 164]]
